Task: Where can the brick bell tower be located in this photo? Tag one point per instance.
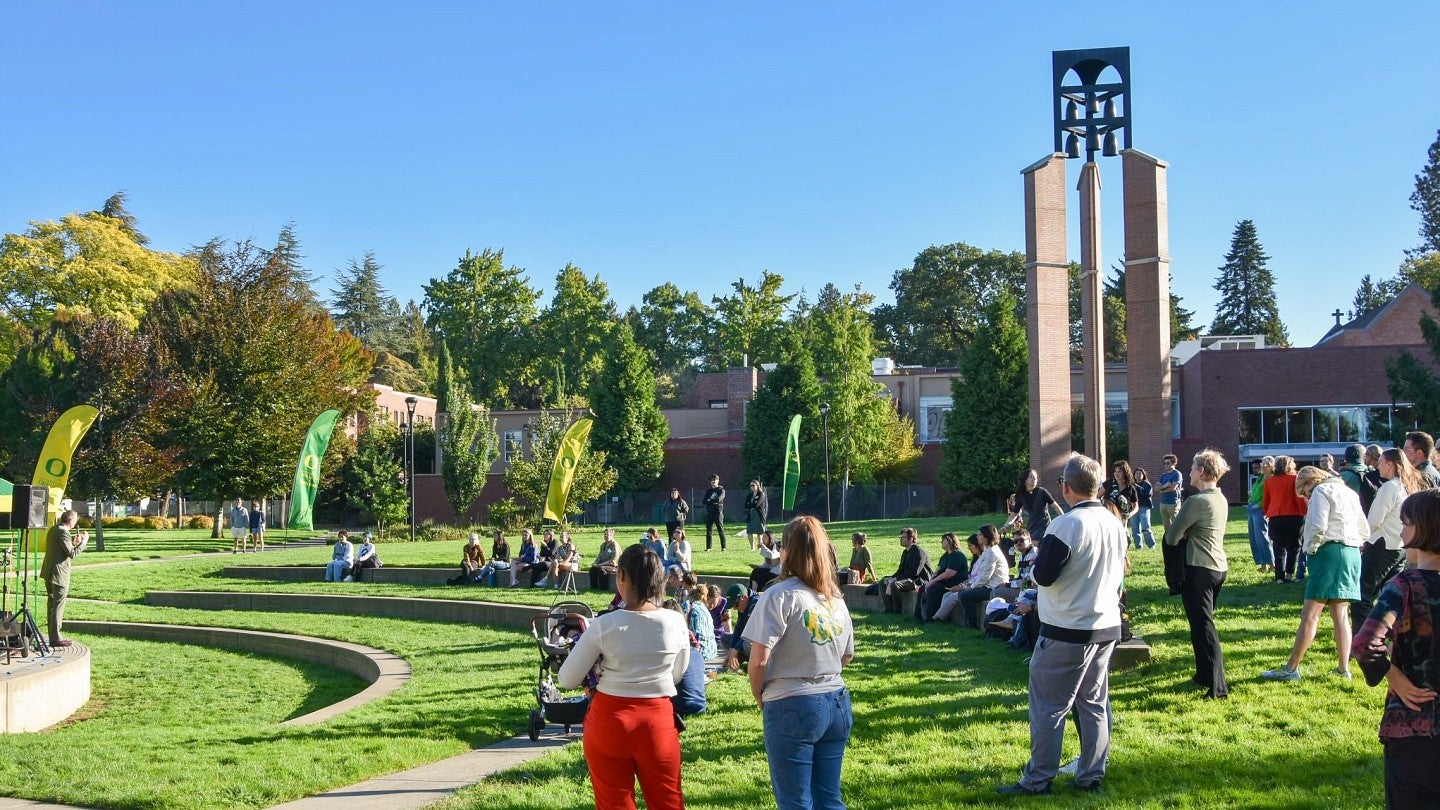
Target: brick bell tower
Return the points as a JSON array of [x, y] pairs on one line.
[[1092, 107]]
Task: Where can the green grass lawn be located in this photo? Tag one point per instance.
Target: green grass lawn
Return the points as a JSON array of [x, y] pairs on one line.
[[940, 712]]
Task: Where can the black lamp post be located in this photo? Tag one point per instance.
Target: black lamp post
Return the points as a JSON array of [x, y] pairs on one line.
[[410, 403], [825, 428]]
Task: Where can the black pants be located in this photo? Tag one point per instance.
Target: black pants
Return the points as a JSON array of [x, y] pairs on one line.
[[599, 578], [670, 527], [969, 601], [931, 598], [714, 519], [895, 602], [1285, 542], [1198, 593], [760, 576], [1377, 565], [1411, 778]]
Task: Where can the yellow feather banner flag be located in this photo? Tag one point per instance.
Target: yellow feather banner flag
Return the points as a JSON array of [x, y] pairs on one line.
[[53, 467], [567, 459]]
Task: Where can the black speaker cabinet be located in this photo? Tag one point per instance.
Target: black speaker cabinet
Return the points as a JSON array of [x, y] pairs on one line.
[[28, 505]]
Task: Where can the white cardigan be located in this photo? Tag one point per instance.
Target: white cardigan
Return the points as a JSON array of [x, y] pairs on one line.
[[1334, 516], [1385, 513], [991, 569]]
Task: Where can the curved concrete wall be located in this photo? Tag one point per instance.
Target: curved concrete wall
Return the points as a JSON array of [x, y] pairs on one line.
[[36, 693], [384, 671]]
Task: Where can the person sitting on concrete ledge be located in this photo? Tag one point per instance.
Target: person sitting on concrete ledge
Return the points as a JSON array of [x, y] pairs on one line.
[[365, 556], [680, 556], [526, 560], [913, 573], [472, 559], [604, 566], [499, 560], [340, 561], [861, 567], [565, 562]]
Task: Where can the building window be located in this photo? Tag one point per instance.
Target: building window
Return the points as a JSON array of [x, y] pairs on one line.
[[719, 404], [932, 418], [1174, 416], [510, 446], [1324, 425]]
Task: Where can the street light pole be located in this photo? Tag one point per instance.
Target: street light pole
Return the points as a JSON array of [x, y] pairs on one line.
[[410, 403], [825, 428]]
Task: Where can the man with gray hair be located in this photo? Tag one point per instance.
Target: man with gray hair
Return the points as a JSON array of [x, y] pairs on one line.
[[61, 545], [1079, 569]]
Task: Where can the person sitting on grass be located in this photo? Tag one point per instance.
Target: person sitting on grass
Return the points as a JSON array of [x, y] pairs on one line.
[[698, 619], [652, 541], [690, 690], [527, 560], [365, 556], [743, 600], [953, 568], [340, 561], [718, 606], [680, 557], [761, 575]]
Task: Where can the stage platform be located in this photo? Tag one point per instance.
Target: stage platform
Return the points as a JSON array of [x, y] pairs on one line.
[[36, 692]]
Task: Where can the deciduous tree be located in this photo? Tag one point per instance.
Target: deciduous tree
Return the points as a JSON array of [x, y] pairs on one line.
[[529, 481], [750, 323], [575, 329], [258, 362], [486, 313], [940, 301]]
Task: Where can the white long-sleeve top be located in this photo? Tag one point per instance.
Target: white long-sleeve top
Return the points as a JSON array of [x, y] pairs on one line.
[[1385, 513], [1334, 516], [991, 570], [642, 654]]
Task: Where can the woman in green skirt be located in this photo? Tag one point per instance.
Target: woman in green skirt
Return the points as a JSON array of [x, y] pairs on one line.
[[1335, 527]]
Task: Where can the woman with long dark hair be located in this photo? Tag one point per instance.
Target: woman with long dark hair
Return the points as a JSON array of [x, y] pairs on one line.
[[757, 508], [800, 639], [1032, 502], [642, 652]]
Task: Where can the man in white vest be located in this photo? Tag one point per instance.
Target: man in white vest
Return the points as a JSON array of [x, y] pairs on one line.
[[1079, 568]]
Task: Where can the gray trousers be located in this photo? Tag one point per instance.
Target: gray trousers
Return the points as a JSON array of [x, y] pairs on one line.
[[1065, 676], [55, 608]]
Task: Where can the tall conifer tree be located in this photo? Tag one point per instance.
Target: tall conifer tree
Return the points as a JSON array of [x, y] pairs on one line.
[[1247, 291]]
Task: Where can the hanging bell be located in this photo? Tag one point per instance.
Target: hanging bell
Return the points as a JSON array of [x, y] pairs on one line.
[[1092, 141], [1112, 145], [1072, 146], [1072, 112], [1112, 110]]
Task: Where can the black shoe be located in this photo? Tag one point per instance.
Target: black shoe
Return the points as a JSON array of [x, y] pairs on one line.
[[1018, 789], [1086, 787]]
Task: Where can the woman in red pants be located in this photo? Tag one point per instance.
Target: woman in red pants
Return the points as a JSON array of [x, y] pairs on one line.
[[642, 652]]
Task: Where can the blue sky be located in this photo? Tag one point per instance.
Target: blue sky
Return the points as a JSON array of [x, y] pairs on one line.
[[700, 143]]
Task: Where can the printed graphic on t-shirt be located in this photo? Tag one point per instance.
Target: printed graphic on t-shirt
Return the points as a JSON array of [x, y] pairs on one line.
[[824, 627]]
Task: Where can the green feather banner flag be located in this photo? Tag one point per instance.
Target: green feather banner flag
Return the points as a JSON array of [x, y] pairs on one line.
[[792, 464], [307, 472]]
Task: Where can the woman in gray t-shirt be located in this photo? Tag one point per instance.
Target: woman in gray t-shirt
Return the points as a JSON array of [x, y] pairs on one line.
[[800, 638]]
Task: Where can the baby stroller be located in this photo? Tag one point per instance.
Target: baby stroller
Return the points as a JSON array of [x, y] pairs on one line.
[[555, 634]]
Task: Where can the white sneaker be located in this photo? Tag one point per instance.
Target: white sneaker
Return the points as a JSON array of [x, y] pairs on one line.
[[543, 583], [1070, 768], [348, 579]]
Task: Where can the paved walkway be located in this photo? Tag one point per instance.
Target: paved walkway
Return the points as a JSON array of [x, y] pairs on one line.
[[428, 784], [406, 790]]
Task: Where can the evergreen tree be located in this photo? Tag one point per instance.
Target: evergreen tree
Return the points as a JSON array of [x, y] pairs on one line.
[[115, 209], [1425, 201], [1247, 291], [361, 306], [1114, 313], [469, 443], [629, 426], [987, 432], [1370, 295], [790, 389], [374, 478]]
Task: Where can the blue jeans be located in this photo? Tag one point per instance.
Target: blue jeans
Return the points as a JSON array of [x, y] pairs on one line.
[[805, 739], [1260, 536], [1140, 526]]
